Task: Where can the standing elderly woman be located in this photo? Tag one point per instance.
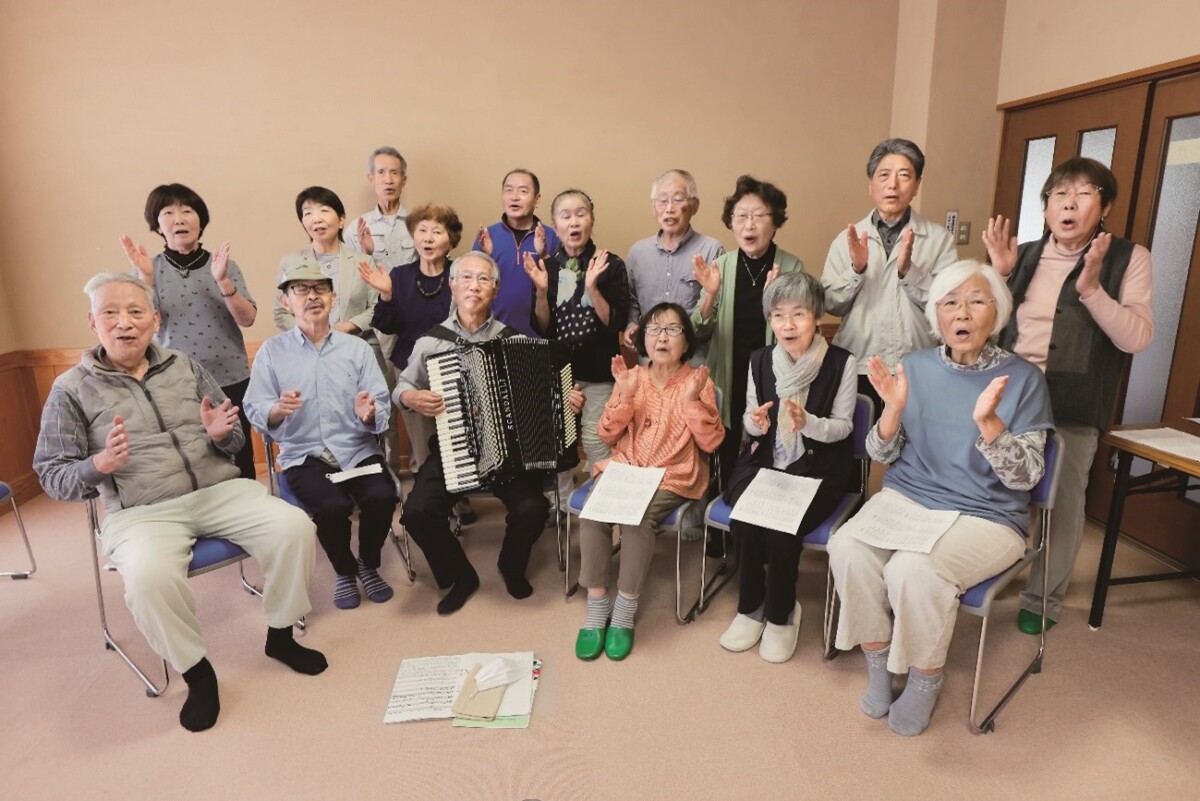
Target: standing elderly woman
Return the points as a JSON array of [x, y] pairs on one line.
[[729, 313], [415, 297], [202, 299], [663, 414], [963, 429], [814, 386], [581, 299], [1083, 301], [323, 216]]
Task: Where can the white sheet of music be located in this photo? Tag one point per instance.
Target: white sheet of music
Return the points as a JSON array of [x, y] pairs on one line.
[[776, 500], [622, 494], [892, 522], [426, 687], [1171, 440]]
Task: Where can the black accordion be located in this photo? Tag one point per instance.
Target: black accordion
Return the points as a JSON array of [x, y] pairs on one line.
[[506, 410]]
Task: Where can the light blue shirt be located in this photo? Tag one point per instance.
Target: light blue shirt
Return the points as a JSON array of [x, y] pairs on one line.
[[328, 379]]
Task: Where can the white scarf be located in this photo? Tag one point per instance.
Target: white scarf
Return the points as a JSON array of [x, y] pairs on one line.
[[793, 378]]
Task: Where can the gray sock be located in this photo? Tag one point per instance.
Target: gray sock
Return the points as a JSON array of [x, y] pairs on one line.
[[911, 712], [878, 697], [598, 610], [624, 611], [759, 614]]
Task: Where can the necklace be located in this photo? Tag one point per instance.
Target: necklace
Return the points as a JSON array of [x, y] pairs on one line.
[[184, 269], [754, 279], [441, 282]]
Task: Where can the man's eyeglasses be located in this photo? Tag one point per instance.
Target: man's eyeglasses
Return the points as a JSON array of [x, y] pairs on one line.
[[304, 290]]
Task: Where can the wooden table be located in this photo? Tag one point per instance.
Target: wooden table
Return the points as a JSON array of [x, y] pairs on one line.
[[1171, 473]]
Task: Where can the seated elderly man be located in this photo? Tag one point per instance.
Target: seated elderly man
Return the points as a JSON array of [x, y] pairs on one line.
[[474, 282], [149, 429], [320, 394], [659, 267]]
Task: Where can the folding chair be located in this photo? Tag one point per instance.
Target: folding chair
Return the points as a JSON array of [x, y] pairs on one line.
[[279, 487], [6, 494], [562, 525], [717, 516], [208, 554], [978, 599]]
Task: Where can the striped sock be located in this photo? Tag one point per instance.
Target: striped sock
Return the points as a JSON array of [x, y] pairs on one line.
[[376, 588], [624, 611], [598, 610], [345, 593]]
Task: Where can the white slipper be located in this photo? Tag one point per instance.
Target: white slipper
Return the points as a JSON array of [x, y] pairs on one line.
[[743, 634], [779, 642]]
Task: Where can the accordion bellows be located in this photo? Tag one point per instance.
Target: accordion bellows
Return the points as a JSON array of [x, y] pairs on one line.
[[506, 410]]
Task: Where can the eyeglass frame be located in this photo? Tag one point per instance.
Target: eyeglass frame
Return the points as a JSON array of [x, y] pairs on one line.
[[650, 332], [320, 289]]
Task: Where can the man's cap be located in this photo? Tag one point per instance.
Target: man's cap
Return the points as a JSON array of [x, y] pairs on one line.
[[303, 270]]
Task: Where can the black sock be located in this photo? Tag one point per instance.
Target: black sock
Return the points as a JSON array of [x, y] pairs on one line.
[[463, 589], [518, 586], [202, 706], [282, 646]]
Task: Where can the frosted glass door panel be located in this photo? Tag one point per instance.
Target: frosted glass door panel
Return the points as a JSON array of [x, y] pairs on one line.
[[1039, 161]]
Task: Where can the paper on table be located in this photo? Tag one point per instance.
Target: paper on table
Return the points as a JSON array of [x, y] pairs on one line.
[[1173, 441], [776, 500], [1192, 419], [355, 472], [892, 522], [622, 494]]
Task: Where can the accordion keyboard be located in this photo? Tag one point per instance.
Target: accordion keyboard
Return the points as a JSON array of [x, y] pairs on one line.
[[458, 460]]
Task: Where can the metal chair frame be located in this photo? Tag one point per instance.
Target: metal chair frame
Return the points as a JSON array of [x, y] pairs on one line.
[[6, 492], [977, 600], [214, 554], [717, 516]]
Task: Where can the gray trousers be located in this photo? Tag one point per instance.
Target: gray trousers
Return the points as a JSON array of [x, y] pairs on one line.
[[1067, 533]]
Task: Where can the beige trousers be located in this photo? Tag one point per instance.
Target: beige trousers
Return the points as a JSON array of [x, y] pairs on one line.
[[637, 547]]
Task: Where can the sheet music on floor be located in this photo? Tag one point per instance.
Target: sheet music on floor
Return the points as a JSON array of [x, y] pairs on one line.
[[891, 521], [776, 500], [622, 494], [1171, 440], [426, 687], [355, 472]]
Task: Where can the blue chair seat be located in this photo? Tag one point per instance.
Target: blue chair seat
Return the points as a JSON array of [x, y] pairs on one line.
[[212, 553], [818, 538]]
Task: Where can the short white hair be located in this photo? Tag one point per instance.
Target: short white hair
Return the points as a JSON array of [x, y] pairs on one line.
[[683, 175], [476, 254], [953, 277], [97, 282]]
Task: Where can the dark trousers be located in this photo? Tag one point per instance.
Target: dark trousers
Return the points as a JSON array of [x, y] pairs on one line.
[[865, 388], [769, 560], [427, 512], [330, 506], [244, 459]]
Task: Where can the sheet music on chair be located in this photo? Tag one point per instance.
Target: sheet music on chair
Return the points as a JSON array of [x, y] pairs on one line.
[[776, 500], [622, 494]]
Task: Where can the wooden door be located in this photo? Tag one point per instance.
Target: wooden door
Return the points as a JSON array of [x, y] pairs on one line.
[[1067, 125], [1167, 374]]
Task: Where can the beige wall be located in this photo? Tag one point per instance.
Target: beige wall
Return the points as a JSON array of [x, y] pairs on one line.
[[1053, 45], [248, 102]]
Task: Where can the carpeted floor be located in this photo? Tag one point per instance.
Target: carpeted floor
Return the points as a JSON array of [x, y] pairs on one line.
[[1115, 714]]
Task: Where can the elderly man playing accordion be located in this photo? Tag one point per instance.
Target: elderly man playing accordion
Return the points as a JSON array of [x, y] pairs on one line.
[[474, 282]]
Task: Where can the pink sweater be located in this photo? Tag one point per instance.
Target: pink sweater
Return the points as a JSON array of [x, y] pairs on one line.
[[1127, 320], [658, 428]]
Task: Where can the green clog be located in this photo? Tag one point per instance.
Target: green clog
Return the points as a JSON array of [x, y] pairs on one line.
[[589, 644], [618, 643], [1031, 622]]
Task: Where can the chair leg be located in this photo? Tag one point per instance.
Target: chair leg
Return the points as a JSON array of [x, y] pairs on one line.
[[724, 572], [21, 574], [152, 690], [831, 615], [569, 587], [401, 544]]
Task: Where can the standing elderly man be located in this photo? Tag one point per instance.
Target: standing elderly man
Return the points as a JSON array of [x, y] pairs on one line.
[[474, 282], [383, 231], [659, 267], [320, 394], [518, 232], [877, 273], [151, 431]]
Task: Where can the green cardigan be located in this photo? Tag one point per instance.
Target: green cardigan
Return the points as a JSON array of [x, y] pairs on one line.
[[717, 330]]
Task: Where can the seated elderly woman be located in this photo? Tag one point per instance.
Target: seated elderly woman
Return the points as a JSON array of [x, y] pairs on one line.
[[963, 429], [814, 385], [663, 414]]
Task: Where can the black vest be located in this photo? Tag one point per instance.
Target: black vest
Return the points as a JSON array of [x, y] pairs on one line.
[[1083, 366], [831, 461]]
